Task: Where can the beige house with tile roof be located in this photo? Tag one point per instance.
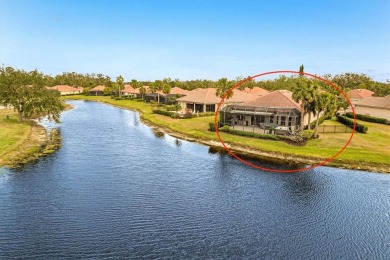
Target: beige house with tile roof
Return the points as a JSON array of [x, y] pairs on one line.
[[206, 100], [374, 106], [355, 95], [256, 91], [276, 109], [97, 91], [66, 90]]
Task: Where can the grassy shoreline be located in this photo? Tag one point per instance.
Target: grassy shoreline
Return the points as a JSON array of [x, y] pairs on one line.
[[24, 142], [369, 151]]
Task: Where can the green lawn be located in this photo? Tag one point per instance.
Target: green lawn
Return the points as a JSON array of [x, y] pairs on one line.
[[12, 134], [372, 148]]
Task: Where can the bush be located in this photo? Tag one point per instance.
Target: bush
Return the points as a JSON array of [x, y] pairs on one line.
[[348, 122], [211, 126], [320, 121], [202, 114], [369, 118], [307, 134], [227, 129], [165, 113]]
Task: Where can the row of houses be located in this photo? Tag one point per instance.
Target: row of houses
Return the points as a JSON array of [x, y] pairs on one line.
[[249, 107]]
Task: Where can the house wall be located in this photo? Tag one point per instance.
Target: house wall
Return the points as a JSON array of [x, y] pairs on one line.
[[372, 111]]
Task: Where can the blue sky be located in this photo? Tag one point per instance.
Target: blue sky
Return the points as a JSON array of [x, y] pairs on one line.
[[149, 40]]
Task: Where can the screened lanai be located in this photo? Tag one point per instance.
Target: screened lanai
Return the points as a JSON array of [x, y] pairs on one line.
[[260, 119]]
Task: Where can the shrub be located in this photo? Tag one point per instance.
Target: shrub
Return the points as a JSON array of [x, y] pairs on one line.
[[202, 114], [165, 113], [307, 134], [320, 121], [227, 129], [211, 126], [348, 122], [369, 118]]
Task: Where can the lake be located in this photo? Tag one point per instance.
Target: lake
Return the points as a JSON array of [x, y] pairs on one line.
[[117, 190]]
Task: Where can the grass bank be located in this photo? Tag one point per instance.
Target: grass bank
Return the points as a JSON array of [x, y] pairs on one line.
[[369, 151], [23, 142]]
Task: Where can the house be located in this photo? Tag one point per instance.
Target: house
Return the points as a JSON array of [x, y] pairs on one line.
[[374, 106], [97, 91], [170, 98], [66, 90], [355, 95], [206, 100], [129, 91], [276, 110]]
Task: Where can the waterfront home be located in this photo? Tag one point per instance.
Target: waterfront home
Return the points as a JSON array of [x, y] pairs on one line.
[[97, 91], [276, 110], [129, 91], [66, 90], [205, 100], [374, 106]]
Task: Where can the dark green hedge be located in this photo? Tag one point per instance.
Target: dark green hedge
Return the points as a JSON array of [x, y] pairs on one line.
[[348, 122], [320, 121], [165, 113], [369, 118], [227, 129]]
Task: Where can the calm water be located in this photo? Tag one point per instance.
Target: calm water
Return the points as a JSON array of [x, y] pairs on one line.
[[115, 190]]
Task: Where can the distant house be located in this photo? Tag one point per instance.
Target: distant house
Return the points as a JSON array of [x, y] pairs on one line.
[[170, 98], [129, 91], [205, 100], [355, 95], [97, 91], [374, 106], [276, 109], [66, 90]]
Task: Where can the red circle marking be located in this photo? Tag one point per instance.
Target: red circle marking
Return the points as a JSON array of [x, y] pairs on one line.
[[277, 170]]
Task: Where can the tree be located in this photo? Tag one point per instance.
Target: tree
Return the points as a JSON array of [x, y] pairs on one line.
[[142, 91], [119, 84], [302, 93], [156, 87], [301, 70], [223, 86], [25, 92], [324, 102], [135, 84]]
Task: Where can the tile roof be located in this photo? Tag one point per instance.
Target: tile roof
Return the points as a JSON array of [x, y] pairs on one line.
[[98, 88], [278, 98], [64, 88], [376, 102], [207, 96], [180, 91], [129, 89], [256, 90], [359, 93]]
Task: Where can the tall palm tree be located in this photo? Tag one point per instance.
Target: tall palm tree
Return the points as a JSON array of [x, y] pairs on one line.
[[223, 86], [301, 93]]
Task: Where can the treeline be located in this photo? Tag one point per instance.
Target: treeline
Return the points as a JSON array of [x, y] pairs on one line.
[[346, 82]]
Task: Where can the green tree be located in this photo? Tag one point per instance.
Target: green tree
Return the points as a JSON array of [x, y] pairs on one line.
[[119, 84], [324, 102], [25, 92], [142, 91], [223, 86], [302, 94]]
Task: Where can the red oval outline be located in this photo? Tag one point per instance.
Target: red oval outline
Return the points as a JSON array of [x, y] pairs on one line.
[[279, 72]]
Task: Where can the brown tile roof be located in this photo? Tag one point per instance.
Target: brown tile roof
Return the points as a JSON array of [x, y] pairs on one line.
[[98, 88], [359, 93], [278, 98], [377, 102], [256, 90], [207, 96], [64, 88], [180, 91], [130, 89]]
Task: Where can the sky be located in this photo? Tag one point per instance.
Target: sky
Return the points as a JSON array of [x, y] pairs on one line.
[[196, 39]]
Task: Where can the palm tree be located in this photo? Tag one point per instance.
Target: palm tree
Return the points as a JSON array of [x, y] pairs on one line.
[[223, 86], [324, 102], [301, 93]]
